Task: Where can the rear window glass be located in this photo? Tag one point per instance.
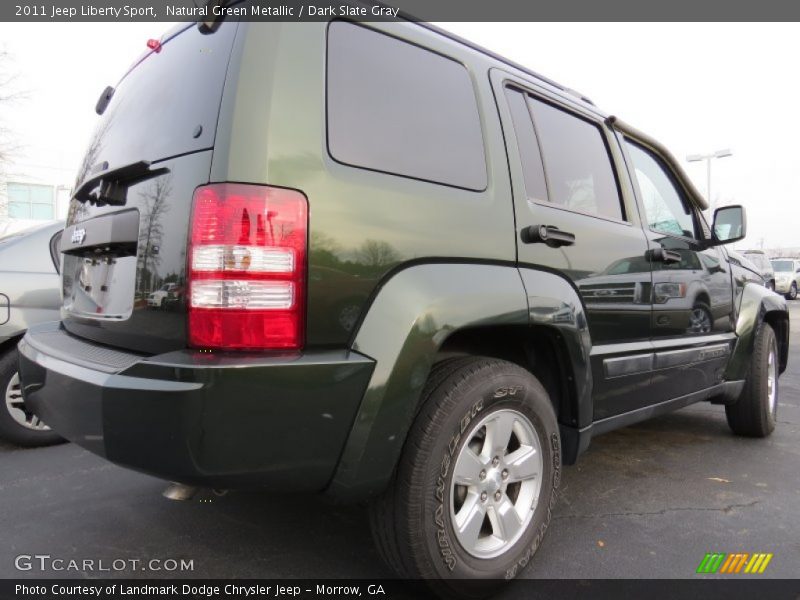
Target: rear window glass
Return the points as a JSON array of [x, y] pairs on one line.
[[167, 105], [758, 259], [579, 171], [784, 266], [398, 108]]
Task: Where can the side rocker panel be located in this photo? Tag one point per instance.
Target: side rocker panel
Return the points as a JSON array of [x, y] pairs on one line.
[[412, 315], [757, 305]]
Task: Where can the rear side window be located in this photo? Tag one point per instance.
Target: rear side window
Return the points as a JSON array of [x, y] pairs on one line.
[[398, 108], [579, 172], [532, 170]]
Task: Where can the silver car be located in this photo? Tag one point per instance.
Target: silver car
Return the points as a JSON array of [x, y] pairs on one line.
[[787, 276], [29, 294]]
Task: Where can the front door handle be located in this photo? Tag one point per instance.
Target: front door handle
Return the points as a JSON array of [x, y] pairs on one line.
[[665, 256], [546, 234]]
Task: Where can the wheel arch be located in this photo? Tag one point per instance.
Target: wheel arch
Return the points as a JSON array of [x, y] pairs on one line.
[[758, 305], [704, 297], [539, 349], [779, 321], [428, 312]]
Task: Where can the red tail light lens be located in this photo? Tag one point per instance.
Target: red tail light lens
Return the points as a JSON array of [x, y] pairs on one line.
[[247, 267]]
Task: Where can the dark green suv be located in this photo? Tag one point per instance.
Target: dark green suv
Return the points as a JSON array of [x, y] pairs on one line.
[[406, 271]]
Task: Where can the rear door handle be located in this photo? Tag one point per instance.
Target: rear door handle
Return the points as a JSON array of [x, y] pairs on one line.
[[546, 234]]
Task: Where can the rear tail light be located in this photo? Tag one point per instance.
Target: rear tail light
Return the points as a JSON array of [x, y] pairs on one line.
[[247, 267]]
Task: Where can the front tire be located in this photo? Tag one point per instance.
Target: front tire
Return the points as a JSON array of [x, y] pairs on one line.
[[476, 484], [792, 295], [754, 413], [17, 424], [700, 320]]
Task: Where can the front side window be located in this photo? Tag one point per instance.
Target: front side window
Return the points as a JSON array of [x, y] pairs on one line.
[[397, 108], [579, 172], [665, 207]]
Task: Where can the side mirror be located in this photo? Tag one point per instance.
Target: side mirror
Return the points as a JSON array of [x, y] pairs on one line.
[[730, 224]]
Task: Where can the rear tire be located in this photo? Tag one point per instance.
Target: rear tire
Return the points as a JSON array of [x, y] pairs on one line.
[[470, 407], [754, 413], [13, 413]]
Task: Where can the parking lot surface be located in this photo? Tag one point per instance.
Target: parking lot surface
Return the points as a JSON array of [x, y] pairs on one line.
[[647, 501]]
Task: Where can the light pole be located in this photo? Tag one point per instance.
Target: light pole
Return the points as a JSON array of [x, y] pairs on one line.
[[707, 158]]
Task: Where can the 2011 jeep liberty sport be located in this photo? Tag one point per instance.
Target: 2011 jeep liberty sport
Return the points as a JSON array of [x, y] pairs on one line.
[[405, 270]]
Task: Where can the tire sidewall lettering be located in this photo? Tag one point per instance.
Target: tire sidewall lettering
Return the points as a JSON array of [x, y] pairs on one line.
[[555, 447], [442, 537]]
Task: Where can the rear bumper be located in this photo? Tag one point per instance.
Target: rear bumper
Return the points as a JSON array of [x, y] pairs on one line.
[[220, 420]]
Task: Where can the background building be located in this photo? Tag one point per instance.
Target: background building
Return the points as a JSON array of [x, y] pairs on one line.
[[31, 194]]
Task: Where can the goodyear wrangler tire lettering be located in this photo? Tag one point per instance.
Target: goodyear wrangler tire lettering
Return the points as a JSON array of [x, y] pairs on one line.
[[441, 533], [555, 442], [523, 562]]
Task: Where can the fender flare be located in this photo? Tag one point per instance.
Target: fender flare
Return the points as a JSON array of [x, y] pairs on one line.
[[758, 304], [411, 316]]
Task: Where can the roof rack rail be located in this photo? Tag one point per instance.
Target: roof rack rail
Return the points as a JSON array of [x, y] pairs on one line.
[[510, 63]]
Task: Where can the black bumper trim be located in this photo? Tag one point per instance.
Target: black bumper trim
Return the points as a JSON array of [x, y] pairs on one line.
[[223, 421]]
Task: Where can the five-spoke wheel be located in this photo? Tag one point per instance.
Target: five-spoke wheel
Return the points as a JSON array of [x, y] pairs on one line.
[[496, 482]]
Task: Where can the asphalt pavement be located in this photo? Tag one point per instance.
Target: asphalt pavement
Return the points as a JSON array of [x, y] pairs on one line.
[[647, 501]]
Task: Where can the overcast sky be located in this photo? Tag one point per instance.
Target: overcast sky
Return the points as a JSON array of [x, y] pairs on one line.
[[696, 88]]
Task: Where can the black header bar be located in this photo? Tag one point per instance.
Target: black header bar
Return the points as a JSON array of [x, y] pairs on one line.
[[421, 10]]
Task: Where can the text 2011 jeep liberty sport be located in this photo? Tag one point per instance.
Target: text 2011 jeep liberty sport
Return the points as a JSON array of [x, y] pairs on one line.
[[414, 273]]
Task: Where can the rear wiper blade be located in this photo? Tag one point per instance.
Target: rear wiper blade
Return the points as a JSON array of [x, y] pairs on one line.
[[111, 187], [103, 100]]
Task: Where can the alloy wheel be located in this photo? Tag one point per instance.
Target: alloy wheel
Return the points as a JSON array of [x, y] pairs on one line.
[[15, 405], [496, 483], [700, 320], [772, 382]]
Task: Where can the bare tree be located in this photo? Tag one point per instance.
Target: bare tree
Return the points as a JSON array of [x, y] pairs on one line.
[[79, 210], [151, 232], [9, 93], [376, 254]]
